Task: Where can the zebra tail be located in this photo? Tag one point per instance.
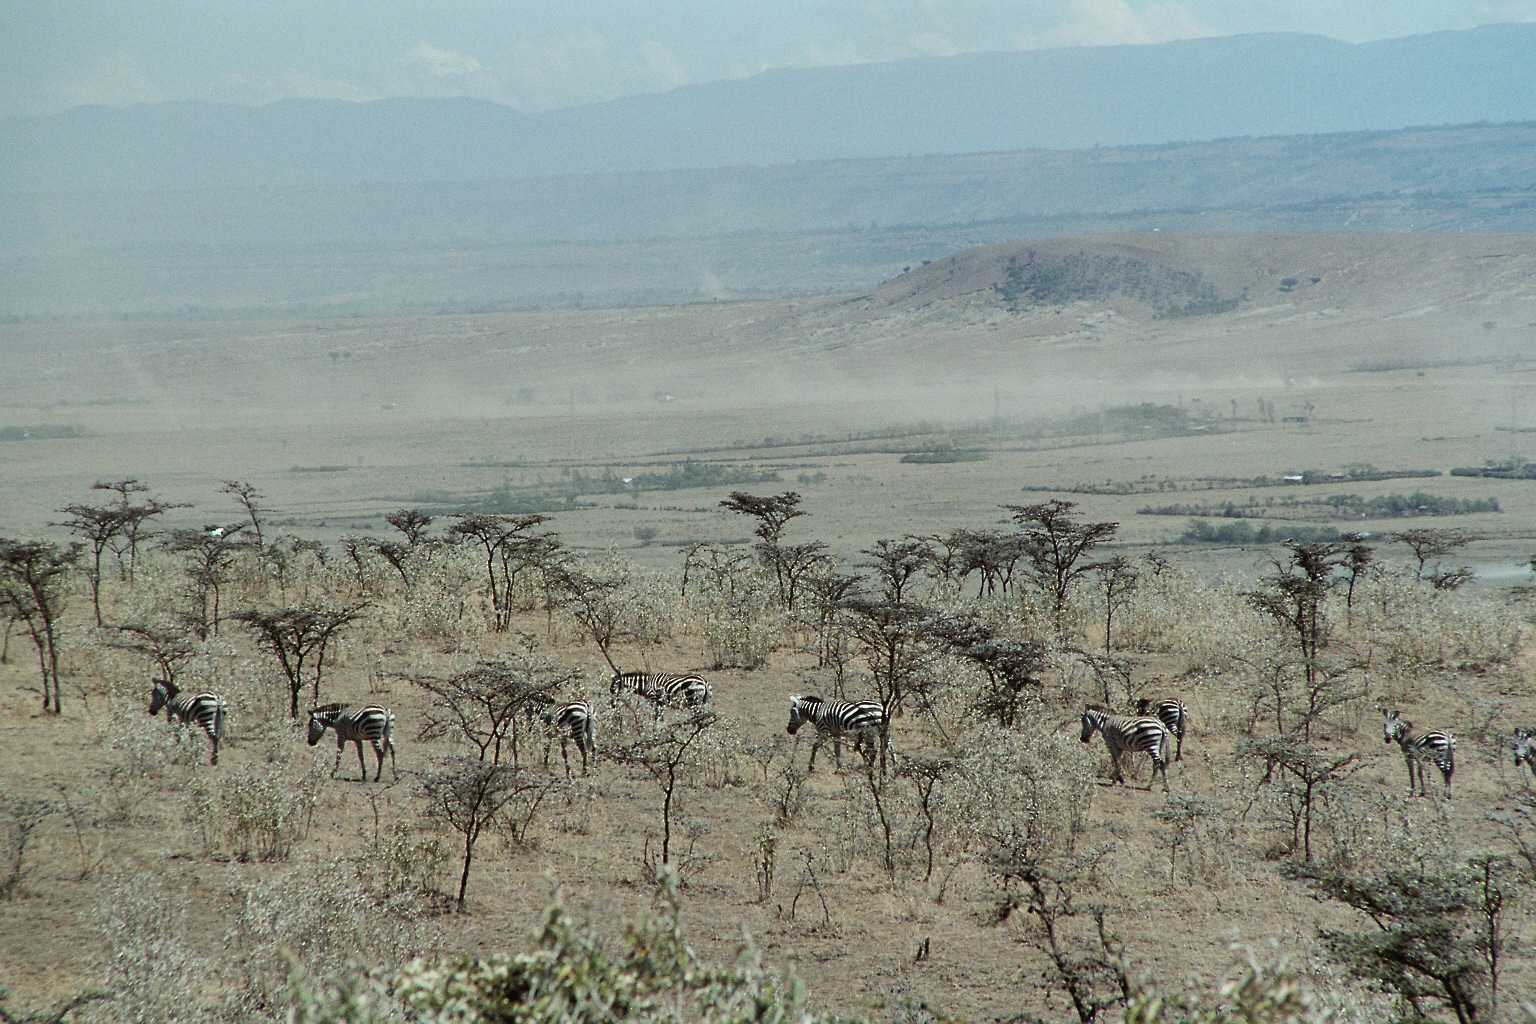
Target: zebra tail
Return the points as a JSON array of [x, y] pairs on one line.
[[220, 709], [389, 729]]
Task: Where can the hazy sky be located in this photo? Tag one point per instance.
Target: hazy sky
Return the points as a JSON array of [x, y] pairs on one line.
[[538, 54]]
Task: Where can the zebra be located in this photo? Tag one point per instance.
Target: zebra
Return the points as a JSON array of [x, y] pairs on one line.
[[1172, 713], [1525, 749], [865, 720], [660, 688], [208, 710], [356, 723], [1122, 734], [1437, 746], [574, 721]]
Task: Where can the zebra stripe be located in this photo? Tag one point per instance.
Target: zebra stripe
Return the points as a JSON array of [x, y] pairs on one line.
[[864, 720], [1170, 712], [354, 723], [660, 688], [1525, 749], [1123, 734], [574, 722], [208, 710], [1437, 746]]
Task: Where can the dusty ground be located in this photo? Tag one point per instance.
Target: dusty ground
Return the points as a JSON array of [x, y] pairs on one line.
[[1414, 356]]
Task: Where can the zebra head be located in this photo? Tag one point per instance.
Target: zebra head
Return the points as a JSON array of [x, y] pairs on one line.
[[163, 693], [616, 688], [319, 718], [1092, 719], [1525, 748], [1393, 728], [800, 712]]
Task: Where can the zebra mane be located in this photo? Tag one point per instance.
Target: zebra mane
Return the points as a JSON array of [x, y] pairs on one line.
[[808, 697], [327, 709]]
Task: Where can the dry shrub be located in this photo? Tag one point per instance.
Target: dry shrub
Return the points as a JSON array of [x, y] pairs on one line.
[[322, 915], [1030, 783], [256, 812], [444, 604], [140, 751], [1415, 627], [1177, 611], [155, 973]]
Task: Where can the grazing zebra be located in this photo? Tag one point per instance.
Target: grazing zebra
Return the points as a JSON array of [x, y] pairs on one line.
[[864, 720], [208, 710], [660, 688], [1525, 749], [574, 722], [1171, 713], [1122, 734], [355, 723], [1436, 746]]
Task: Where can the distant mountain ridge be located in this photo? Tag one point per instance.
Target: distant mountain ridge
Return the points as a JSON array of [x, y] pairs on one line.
[[1267, 84]]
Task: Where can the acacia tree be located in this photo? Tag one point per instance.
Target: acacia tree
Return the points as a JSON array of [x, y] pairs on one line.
[[895, 563], [250, 499], [892, 638], [494, 533], [789, 564], [1054, 547], [473, 796], [1012, 666], [1307, 774], [97, 527], [1437, 939], [210, 557], [34, 590], [1117, 581], [168, 648], [662, 749], [1432, 545], [1295, 599], [595, 600], [487, 704], [293, 635], [135, 521]]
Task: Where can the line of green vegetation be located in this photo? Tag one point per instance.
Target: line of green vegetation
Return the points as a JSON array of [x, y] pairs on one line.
[[1351, 506], [1306, 478], [944, 455], [1516, 469], [1200, 531], [573, 483], [42, 432]]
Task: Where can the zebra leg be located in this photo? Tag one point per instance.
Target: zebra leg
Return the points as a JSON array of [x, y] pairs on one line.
[[1158, 765], [815, 746], [563, 757], [214, 760], [378, 753], [837, 751], [363, 764], [1179, 752], [1114, 762], [1447, 771]]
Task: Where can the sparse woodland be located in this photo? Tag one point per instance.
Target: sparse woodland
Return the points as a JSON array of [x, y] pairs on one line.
[[696, 870]]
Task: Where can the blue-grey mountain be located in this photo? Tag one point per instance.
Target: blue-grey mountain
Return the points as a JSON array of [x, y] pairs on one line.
[[1056, 99]]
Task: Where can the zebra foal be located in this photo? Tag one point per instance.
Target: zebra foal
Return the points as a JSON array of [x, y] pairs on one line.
[[1172, 713], [1122, 734], [864, 720], [1437, 746], [574, 722], [354, 723], [208, 710], [660, 688]]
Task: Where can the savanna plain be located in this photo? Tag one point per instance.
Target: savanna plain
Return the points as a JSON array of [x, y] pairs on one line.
[[1280, 478]]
